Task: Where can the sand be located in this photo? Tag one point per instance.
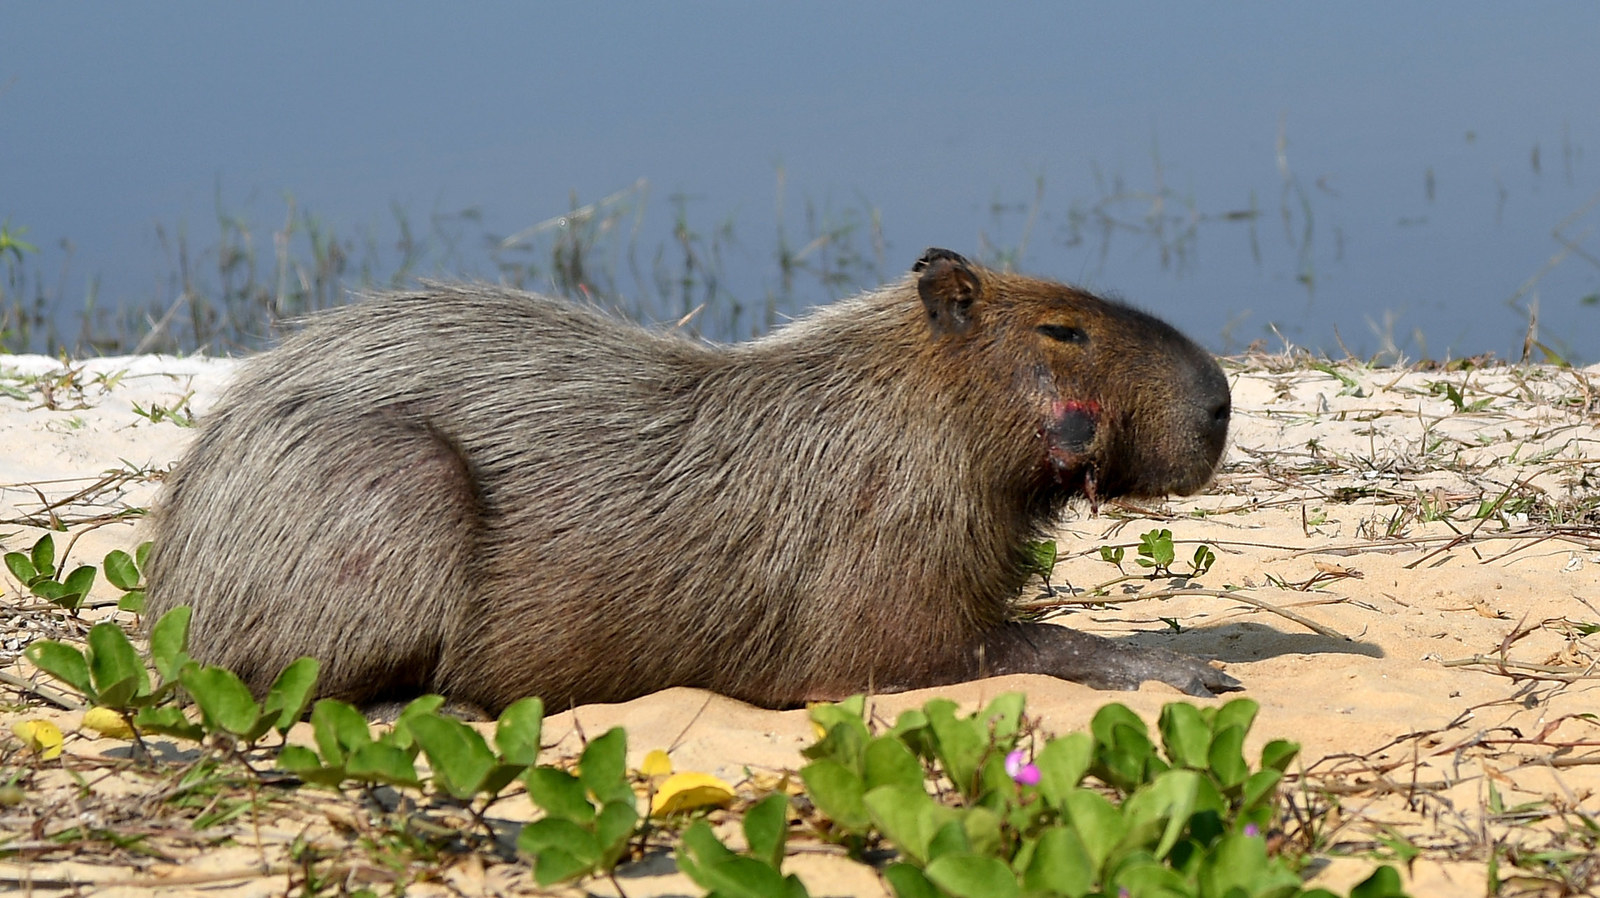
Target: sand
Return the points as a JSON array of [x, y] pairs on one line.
[[1441, 529]]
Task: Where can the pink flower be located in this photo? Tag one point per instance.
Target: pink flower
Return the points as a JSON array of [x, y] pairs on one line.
[[1018, 768]]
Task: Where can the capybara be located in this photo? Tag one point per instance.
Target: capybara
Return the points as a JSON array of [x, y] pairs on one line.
[[491, 494]]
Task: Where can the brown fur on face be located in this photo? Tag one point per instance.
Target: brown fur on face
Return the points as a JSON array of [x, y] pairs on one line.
[[493, 494]]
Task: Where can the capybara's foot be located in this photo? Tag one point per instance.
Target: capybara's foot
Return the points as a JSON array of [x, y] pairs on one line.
[[1097, 661]]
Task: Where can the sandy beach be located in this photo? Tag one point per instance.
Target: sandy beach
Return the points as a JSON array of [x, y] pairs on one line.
[[1437, 532]]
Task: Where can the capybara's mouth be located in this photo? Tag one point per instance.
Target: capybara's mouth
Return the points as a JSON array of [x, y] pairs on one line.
[[1069, 435]]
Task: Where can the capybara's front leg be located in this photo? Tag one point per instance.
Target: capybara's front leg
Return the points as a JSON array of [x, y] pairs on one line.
[[1093, 660]]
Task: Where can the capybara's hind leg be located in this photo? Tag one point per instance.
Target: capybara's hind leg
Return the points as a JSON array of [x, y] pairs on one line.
[[1094, 661], [341, 543], [1099, 662]]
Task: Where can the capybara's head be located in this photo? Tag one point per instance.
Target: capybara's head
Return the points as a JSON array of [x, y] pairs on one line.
[[1124, 404]]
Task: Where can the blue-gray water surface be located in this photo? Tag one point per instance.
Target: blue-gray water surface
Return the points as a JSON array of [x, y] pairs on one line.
[[1412, 177]]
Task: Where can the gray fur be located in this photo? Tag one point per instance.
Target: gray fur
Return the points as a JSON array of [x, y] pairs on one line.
[[492, 494]]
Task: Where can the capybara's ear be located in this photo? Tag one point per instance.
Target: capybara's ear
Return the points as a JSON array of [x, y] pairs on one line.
[[948, 287]]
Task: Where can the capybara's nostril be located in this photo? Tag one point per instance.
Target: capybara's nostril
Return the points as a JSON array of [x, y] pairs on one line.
[[1221, 412]]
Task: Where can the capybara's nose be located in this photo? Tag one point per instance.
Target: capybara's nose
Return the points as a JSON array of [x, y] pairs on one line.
[[1221, 414]]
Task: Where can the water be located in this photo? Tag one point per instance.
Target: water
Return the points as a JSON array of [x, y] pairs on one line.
[[1405, 177]]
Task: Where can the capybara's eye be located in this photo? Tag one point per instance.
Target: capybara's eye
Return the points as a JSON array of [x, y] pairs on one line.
[[1064, 333]]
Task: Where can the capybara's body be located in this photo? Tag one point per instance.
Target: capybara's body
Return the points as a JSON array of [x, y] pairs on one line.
[[491, 494]]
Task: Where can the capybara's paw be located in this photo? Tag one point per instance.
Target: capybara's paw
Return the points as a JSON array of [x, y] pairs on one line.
[[1189, 675]]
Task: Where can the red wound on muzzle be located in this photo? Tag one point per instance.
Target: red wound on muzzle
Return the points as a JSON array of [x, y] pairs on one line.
[[1068, 433]]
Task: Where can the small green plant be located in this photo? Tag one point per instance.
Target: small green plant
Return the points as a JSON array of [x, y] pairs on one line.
[[226, 705], [1157, 552], [949, 804], [1348, 386], [589, 816], [1042, 555], [11, 242], [756, 872], [38, 573], [1456, 398], [178, 413], [346, 750], [126, 572], [1185, 818], [110, 674]]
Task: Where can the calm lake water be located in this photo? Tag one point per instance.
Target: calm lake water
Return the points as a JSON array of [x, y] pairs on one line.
[[1412, 177]]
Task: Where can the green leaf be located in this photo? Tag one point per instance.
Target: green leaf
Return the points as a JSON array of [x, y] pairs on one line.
[[1111, 716], [121, 570], [960, 745], [1098, 823], [699, 849], [500, 776], [982, 827], [951, 838], [290, 693], [303, 763], [1383, 883], [1155, 549], [168, 720], [829, 714], [910, 818], [603, 767], [1226, 758], [837, 792], [1060, 864], [382, 762], [338, 730], [517, 732], [1185, 735], [1239, 712], [1259, 789], [845, 734], [79, 582], [907, 881], [1124, 755], [114, 667], [1041, 556], [132, 601], [1140, 874], [141, 555], [973, 876], [1003, 717], [63, 662], [1164, 806], [704, 859], [766, 829], [1279, 754], [21, 568], [613, 827], [560, 794], [225, 702], [44, 556], [400, 733], [887, 761], [1062, 764], [296, 758], [1240, 862], [56, 594], [459, 756], [561, 849], [169, 642]]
